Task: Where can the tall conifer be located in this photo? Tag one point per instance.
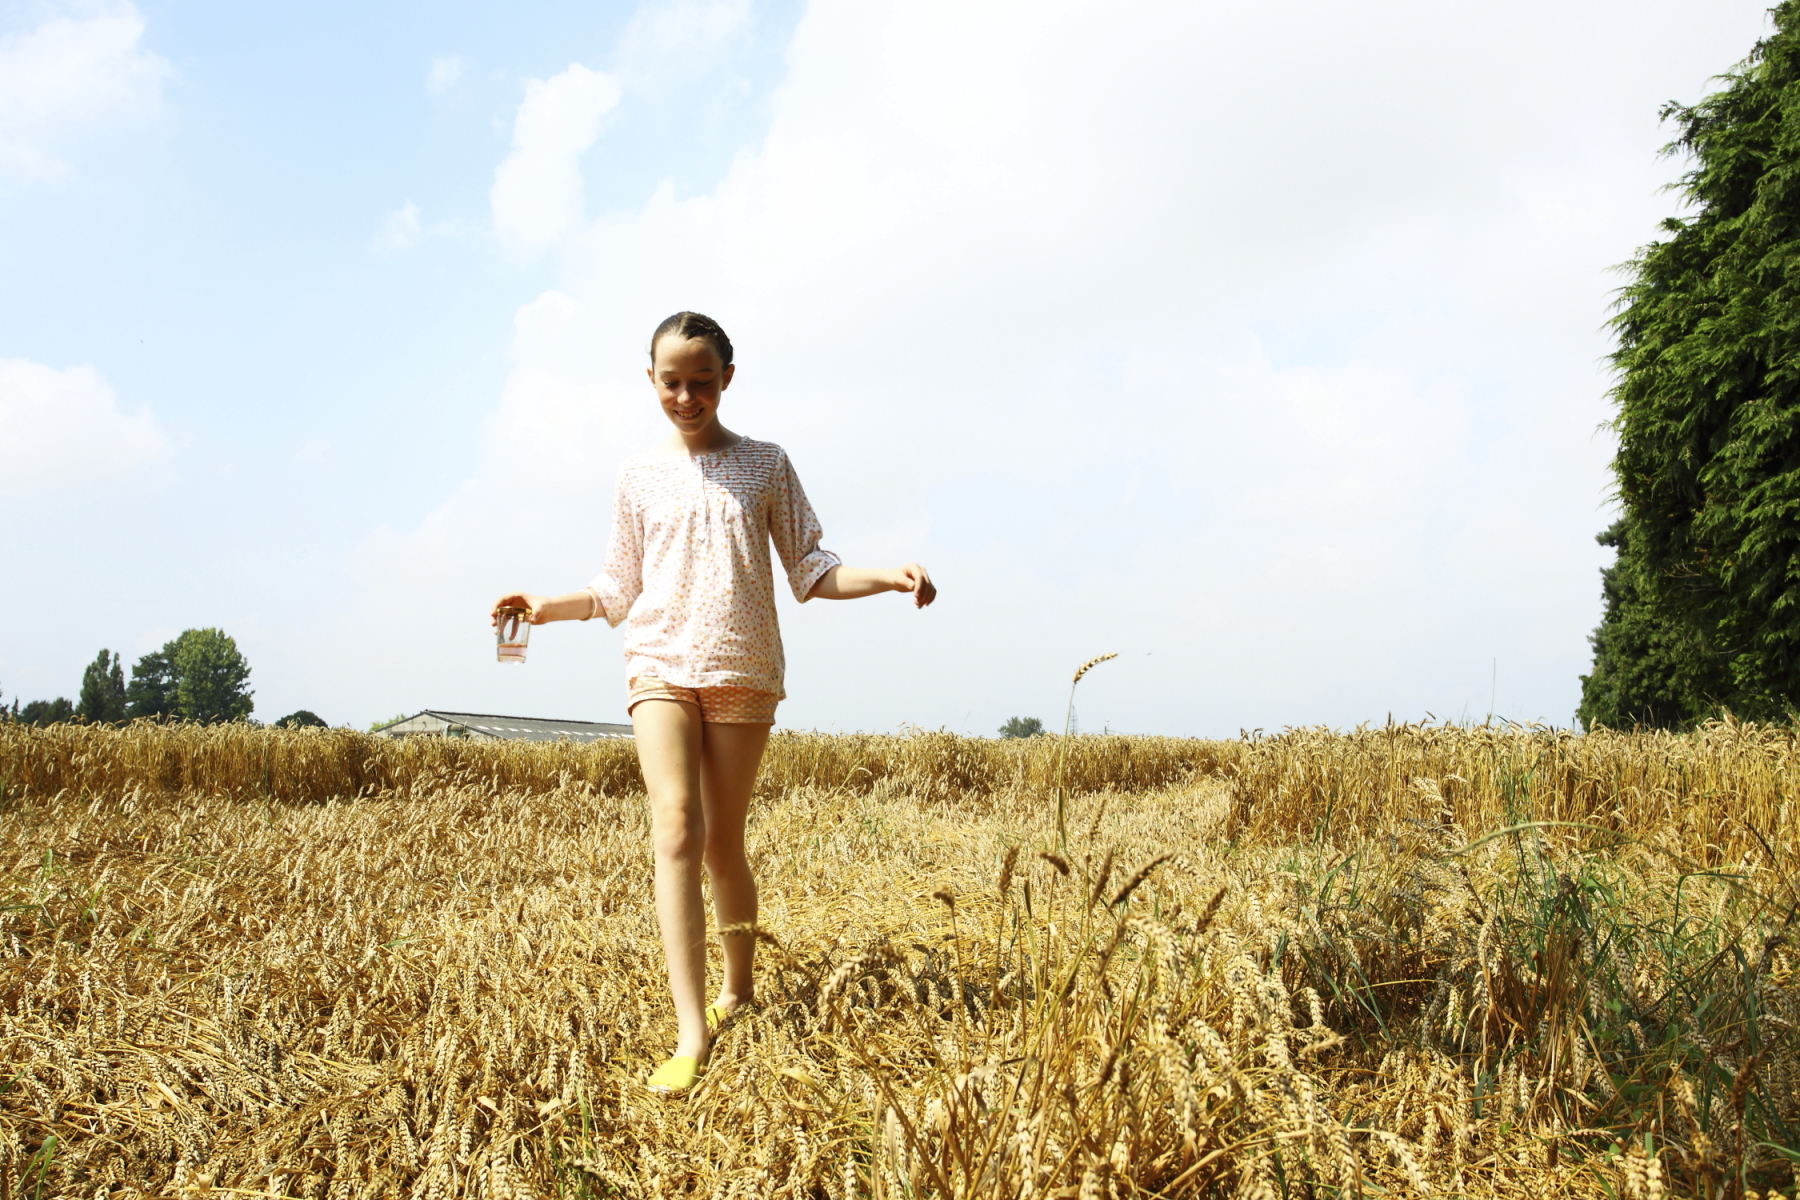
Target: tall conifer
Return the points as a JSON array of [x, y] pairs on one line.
[[1703, 603], [103, 694]]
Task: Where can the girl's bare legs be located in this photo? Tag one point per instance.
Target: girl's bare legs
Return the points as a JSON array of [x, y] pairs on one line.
[[668, 746], [731, 755], [699, 778]]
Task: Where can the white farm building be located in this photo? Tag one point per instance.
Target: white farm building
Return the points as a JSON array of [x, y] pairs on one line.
[[488, 726]]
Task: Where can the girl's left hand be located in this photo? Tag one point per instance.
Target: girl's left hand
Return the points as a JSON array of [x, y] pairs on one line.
[[914, 579]]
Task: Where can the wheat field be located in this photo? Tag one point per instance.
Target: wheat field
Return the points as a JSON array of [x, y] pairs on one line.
[[1410, 960]]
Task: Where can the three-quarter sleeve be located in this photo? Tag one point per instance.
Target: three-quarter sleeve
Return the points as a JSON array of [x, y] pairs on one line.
[[621, 580], [796, 532]]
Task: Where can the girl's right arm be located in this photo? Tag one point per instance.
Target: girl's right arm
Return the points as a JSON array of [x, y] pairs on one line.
[[570, 606], [613, 590]]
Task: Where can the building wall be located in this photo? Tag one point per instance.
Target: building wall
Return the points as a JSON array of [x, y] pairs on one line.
[[424, 723]]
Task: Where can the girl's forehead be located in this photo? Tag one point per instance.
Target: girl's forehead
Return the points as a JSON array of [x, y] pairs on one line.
[[689, 354]]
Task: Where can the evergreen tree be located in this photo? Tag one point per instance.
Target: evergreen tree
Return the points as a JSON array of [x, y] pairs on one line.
[[48, 712], [103, 689], [210, 676], [152, 690], [1651, 667], [1703, 603]]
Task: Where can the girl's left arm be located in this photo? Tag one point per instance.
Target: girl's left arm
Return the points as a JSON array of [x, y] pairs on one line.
[[814, 572], [853, 583]]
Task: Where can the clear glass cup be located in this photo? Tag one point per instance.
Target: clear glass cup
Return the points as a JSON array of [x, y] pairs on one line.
[[511, 632]]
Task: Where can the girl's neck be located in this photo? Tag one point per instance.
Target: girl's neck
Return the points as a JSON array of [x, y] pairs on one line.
[[713, 438]]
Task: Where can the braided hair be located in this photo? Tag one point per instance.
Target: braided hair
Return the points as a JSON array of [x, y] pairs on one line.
[[693, 325]]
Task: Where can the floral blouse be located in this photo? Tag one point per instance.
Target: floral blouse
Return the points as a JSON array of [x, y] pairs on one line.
[[688, 568]]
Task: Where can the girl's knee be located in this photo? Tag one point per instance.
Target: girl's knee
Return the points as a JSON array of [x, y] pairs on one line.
[[678, 839]]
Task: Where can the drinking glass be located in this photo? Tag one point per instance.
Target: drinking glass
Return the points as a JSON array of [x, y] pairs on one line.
[[511, 632]]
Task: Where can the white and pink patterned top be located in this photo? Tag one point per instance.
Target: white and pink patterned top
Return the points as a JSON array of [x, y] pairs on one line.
[[688, 569]]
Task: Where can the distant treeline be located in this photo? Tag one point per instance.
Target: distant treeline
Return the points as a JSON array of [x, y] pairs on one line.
[[199, 676]]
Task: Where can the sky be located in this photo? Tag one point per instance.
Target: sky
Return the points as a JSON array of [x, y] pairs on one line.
[[1262, 345]]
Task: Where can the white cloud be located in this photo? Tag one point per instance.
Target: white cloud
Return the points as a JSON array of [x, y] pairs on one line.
[[1193, 329], [445, 70], [537, 192], [658, 30], [695, 33], [401, 230], [61, 429], [81, 70], [405, 228]]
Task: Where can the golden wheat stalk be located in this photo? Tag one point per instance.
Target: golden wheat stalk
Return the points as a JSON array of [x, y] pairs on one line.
[[1062, 832], [1090, 664]]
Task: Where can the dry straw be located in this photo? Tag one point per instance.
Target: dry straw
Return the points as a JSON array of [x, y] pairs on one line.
[[1425, 961]]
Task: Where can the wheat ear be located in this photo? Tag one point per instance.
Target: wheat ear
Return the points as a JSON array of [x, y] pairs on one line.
[[1062, 833]]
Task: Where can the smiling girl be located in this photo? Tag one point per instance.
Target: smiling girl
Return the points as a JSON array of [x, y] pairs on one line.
[[688, 573]]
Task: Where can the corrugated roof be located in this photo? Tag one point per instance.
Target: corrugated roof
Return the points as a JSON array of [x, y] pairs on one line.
[[530, 729]]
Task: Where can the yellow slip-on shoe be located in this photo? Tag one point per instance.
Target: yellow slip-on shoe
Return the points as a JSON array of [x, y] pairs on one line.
[[716, 1016], [675, 1076]]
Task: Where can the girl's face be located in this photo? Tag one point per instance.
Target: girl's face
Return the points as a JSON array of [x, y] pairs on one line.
[[689, 379]]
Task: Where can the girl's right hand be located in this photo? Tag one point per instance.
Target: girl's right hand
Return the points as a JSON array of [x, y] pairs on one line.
[[532, 604]]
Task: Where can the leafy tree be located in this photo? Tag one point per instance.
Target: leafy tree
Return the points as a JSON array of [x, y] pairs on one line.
[[1703, 602], [48, 712], [210, 677], [1021, 727], [390, 721], [300, 720], [199, 676], [152, 690], [103, 689]]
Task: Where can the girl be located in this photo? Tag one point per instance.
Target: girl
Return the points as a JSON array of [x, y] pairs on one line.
[[688, 573]]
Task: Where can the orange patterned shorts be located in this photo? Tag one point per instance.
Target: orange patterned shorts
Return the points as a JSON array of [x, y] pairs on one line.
[[727, 705]]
